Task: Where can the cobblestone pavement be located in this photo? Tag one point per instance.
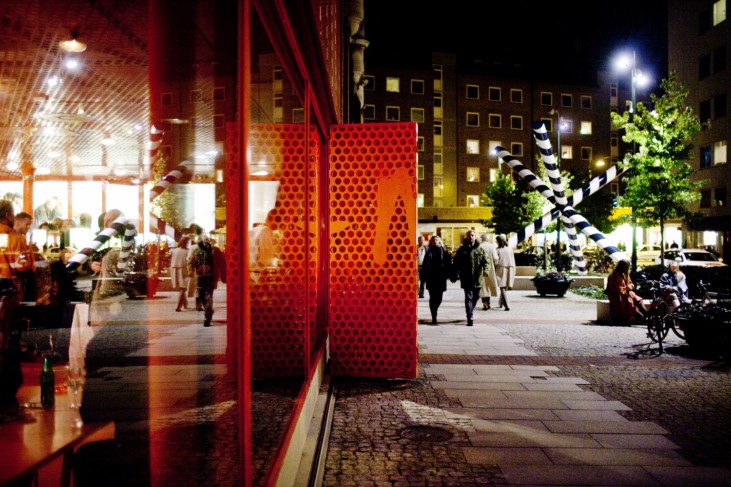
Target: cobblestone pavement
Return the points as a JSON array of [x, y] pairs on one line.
[[688, 395]]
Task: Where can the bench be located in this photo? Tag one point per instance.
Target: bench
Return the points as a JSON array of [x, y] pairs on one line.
[[603, 311]]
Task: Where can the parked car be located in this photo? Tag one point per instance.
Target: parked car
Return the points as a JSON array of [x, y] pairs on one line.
[[691, 257], [648, 253], [55, 253]]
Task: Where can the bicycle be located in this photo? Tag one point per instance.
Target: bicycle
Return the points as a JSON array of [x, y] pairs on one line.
[[690, 305], [656, 317]]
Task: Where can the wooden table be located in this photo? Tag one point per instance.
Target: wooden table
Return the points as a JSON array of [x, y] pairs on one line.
[[43, 444]]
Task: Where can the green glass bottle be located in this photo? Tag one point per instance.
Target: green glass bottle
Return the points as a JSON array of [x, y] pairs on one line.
[[48, 383]]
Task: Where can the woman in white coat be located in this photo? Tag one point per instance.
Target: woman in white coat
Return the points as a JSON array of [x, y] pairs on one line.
[[489, 287], [505, 270]]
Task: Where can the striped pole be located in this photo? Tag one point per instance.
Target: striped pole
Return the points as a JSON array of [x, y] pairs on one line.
[[164, 228], [153, 144], [118, 226], [170, 178], [554, 176]]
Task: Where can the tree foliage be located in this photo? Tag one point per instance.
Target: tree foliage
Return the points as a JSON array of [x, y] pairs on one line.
[[165, 206], [658, 187], [513, 204]]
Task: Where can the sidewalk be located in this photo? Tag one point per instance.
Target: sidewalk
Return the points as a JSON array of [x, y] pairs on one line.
[[501, 403]]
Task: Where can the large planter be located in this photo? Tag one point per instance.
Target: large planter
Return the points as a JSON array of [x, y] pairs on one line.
[[558, 288], [707, 329]]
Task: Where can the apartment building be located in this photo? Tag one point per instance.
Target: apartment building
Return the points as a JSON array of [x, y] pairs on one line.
[[698, 50], [464, 112]]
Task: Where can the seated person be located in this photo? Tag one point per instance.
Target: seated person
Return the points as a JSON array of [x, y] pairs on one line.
[[624, 304], [674, 286]]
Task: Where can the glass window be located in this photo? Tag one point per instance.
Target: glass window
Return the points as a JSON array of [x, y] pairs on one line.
[[516, 148], [393, 85], [719, 195], [706, 154], [548, 122], [494, 93], [516, 122], [705, 198], [473, 146], [420, 143], [516, 95], [438, 105], [719, 59], [492, 147], [495, 121], [420, 172], [720, 153], [437, 72], [420, 200], [393, 114], [417, 115], [719, 12], [585, 128], [369, 112], [704, 66], [473, 200], [473, 119], [437, 158], [585, 153], [586, 102], [566, 126], [567, 100], [438, 187], [704, 112], [298, 115], [438, 168], [567, 151], [473, 174], [370, 82], [473, 92], [719, 106], [546, 98], [417, 86], [438, 133]]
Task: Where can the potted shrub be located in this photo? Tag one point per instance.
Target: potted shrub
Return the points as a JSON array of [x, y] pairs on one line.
[[707, 328], [552, 283]]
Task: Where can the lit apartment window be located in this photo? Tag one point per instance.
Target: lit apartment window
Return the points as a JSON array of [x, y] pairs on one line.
[[277, 75], [473, 200], [473, 174], [516, 148], [473, 119], [586, 101], [719, 12], [494, 121], [420, 200], [437, 71], [585, 128], [393, 85], [546, 98], [585, 153], [420, 172], [370, 82], [567, 100], [516, 95], [493, 175], [417, 86], [473, 92], [438, 168], [393, 114], [298, 115], [438, 105], [369, 112], [438, 187], [438, 159], [720, 153], [473, 146], [417, 115], [567, 151], [278, 107], [420, 143], [566, 126], [438, 134], [494, 93], [516, 122]]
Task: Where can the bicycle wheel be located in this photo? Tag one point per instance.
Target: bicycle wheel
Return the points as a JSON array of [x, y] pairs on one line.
[[672, 323], [655, 327]]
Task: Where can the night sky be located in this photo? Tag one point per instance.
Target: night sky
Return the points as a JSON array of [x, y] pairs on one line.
[[556, 39]]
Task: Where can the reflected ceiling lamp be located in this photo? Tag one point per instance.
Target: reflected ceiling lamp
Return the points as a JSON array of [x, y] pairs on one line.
[[73, 44]]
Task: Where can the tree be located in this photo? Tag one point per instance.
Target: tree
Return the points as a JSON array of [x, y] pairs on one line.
[[513, 204], [165, 206], [597, 208], [658, 187]]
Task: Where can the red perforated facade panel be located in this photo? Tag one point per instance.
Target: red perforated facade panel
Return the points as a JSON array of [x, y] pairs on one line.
[[373, 269]]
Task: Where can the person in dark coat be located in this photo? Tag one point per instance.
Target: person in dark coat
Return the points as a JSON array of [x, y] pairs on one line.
[[435, 270], [470, 263], [209, 266]]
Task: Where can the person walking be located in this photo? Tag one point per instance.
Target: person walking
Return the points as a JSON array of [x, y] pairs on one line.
[[469, 266], [489, 288], [179, 271], [421, 250], [208, 267], [435, 272], [505, 270]]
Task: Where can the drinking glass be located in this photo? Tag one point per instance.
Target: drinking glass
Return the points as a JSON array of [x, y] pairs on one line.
[[76, 379]]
